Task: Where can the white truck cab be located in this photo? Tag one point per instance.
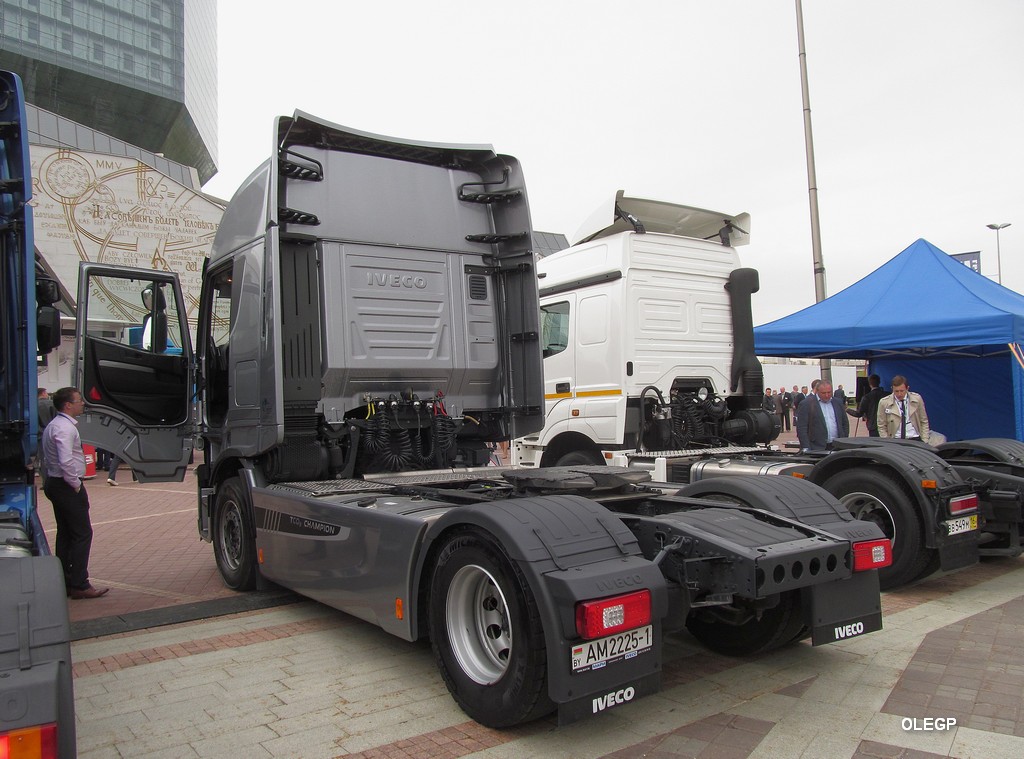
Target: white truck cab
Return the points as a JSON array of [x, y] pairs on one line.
[[640, 303]]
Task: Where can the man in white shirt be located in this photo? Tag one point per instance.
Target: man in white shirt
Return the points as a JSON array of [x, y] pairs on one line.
[[820, 419], [65, 469]]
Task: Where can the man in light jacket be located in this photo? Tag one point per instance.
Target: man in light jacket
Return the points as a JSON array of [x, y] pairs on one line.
[[902, 414]]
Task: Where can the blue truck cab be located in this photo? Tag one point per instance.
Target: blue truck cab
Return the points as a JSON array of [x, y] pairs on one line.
[[37, 719]]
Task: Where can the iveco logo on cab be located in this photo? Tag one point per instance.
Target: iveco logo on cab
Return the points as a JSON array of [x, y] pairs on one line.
[[383, 279], [613, 699]]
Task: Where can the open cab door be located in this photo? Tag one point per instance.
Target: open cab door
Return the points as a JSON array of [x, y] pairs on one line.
[[134, 367]]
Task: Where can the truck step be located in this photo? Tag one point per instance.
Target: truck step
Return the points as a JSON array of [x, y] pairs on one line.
[[324, 488], [304, 168], [492, 238], [497, 196], [440, 476], [680, 452], [294, 216]]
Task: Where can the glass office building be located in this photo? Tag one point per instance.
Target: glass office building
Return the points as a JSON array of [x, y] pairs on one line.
[[142, 71]]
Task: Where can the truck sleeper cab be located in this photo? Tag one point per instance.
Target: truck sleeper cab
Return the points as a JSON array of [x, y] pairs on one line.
[[368, 324]]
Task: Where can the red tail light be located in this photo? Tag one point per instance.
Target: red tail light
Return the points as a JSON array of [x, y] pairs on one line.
[[872, 554], [963, 503], [595, 619], [39, 742]]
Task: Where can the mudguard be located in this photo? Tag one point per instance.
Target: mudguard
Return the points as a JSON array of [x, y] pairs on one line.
[[997, 465], [792, 498], [913, 463], [570, 549], [834, 610]]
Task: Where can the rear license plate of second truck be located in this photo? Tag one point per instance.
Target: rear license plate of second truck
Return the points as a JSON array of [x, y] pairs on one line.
[[595, 654], [962, 524]]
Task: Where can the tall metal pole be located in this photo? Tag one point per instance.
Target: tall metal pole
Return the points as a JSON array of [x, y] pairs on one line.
[[999, 255], [820, 290]]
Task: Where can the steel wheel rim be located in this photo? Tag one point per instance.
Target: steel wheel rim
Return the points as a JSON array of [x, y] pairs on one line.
[[479, 625], [231, 535], [870, 508]]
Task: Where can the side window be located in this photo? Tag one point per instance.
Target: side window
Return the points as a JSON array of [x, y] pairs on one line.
[[135, 313], [554, 328], [216, 324], [221, 315]]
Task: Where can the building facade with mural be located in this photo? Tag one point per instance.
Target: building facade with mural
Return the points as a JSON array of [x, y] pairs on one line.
[[122, 121]]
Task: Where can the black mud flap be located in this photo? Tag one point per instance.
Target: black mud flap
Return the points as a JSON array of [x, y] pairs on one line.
[[956, 552], [845, 608], [614, 696]]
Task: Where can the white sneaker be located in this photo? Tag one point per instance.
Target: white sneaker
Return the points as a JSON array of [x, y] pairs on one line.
[[112, 482]]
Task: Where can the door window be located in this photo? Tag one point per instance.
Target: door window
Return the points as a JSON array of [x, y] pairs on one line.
[[133, 350], [555, 328]]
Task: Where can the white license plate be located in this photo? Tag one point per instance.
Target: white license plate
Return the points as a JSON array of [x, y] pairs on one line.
[[962, 524], [595, 654]]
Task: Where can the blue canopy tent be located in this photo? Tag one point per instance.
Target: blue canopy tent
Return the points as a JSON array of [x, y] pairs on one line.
[[953, 333]]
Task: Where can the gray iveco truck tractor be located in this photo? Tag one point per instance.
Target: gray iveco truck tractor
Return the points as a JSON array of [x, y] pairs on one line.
[[368, 328]]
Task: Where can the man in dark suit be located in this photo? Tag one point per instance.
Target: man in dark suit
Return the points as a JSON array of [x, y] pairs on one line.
[[867, 409], [821, 419], [798, 398]]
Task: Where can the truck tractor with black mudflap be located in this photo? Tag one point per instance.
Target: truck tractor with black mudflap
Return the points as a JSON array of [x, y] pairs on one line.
[[37, 703], [648, 345], [368, 328]]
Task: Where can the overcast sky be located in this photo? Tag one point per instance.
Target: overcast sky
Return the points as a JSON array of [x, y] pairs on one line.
[[917, 108]]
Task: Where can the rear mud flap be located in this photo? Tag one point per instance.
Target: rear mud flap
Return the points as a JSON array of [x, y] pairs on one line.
[[595, 703], [844, 609]]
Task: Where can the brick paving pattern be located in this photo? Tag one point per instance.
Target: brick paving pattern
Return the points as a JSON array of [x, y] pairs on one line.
[[305, 681], [721, 736], [972, 671]]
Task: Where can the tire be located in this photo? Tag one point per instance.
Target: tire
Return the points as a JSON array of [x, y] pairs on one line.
[[233, 545], [580, 458], [875, 497], [486, 633], [775, 627]]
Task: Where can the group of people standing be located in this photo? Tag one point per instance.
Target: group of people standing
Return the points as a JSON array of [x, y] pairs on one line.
[[786, 405], [820, 416]]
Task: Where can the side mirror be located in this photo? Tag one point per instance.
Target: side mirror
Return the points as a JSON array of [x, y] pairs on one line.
[[47, 292], [47, 329]]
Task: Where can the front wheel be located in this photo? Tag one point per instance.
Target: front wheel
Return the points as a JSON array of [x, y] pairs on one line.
[[734, 632], [486, 633], [233, 545]]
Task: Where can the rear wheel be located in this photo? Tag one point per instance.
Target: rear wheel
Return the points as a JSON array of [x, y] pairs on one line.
[[233, 545], [486, 633], [875, 497], [735, 632]]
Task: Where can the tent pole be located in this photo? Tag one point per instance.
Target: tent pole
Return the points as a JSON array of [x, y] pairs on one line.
[[820, 290]]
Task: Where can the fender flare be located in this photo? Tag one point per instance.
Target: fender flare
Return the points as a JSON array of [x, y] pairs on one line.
[[909, 463], [790, 497], [569, 548]]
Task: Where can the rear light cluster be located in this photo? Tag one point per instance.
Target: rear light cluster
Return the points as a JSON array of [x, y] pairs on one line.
[[38, 742], [963, 503], [872, 554], [595, 619]]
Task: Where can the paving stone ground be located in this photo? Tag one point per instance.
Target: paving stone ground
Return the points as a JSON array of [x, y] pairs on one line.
[[303, 680]]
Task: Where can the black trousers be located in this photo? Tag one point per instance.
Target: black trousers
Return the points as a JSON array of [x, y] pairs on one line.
[[74, 531]]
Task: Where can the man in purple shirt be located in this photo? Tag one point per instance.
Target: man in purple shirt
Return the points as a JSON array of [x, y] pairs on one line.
[[65, 468]]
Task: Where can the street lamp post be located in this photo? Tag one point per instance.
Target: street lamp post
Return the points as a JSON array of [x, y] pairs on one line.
[[999, 258]]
